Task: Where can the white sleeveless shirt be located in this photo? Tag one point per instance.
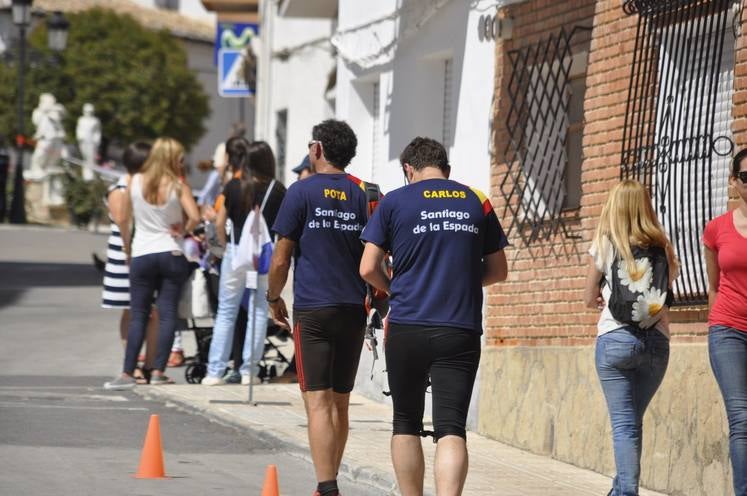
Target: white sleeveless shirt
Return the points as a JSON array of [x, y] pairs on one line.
[[152, 222]]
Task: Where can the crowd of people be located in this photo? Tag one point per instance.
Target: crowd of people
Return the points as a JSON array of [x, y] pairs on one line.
[[427, 249]]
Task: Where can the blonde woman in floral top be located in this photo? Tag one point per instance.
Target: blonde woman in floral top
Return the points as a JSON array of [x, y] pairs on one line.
[[630, 359]]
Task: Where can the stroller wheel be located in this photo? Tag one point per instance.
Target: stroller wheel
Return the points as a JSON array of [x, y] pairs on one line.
[[195, 372]]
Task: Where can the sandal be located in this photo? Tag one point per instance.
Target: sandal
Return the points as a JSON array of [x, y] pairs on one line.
[[141, 376], [176, 359]]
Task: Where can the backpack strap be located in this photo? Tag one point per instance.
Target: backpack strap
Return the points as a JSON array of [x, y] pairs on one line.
[[373, 195], [267, 195]]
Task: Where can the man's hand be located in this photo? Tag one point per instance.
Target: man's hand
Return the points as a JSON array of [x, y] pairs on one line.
[[280, 313]]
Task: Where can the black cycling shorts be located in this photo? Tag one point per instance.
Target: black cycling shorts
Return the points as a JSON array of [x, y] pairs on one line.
[[449, 356], [328, 345]]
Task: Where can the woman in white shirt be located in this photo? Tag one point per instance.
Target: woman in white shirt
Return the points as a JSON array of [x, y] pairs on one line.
[[164, 210]]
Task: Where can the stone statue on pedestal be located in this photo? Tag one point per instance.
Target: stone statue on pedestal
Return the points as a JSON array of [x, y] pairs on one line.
[[46, 176], [88, 134], [49, 136]]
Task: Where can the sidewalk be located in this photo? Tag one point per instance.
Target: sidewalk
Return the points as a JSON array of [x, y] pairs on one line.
[[495, 469]]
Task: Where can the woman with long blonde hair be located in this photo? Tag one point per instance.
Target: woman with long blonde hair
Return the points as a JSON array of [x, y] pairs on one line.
[[631, 356], [164, 210]]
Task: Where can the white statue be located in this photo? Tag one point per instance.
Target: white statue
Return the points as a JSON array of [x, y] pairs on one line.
[[88, 134], [49, 136]]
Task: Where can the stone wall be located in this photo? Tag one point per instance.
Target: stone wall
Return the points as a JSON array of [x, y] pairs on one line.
[[548, 400]]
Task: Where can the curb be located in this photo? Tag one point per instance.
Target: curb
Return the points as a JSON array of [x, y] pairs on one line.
[[367, 475]]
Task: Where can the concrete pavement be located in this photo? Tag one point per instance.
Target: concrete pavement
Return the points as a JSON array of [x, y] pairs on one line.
[[495, 469]]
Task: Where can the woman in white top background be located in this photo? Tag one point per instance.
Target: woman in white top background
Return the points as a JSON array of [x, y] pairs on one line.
[[163, 210]]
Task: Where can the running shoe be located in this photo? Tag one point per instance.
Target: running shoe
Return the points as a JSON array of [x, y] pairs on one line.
[[212, 381], [121, 383], [160, 380]]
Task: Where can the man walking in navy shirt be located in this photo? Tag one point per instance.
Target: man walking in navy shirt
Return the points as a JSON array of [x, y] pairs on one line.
[[446, 244], [319, 225]]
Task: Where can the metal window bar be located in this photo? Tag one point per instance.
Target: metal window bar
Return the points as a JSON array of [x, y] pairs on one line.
[[537, 122], [672, 140]]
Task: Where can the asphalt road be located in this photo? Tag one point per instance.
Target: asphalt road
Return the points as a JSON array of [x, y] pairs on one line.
[[61, 433]]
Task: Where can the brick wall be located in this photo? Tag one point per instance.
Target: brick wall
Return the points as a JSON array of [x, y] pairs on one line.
[[541, 303]]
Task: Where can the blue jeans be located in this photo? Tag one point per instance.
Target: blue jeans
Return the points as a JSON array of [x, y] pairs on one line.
[[727, 349], [631, 364], [231, 289], [166, 274]]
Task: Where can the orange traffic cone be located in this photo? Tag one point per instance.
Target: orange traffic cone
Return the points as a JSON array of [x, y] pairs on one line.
[[151, 460], [271, 482]]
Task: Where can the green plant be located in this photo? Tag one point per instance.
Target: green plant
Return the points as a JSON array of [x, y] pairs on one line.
[[138, 80], [85, 199]]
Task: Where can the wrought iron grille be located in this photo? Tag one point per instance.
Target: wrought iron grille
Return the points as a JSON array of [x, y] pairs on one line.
[[534, 184], [677, 137]]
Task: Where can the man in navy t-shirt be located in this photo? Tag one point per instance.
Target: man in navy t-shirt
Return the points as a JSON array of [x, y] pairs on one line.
[[446, 244], [319, 225]]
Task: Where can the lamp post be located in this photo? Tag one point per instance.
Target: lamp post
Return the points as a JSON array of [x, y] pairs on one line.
[[57, 29], [21, 10]]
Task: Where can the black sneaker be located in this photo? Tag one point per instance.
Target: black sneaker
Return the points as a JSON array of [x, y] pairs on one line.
[[232, 378]]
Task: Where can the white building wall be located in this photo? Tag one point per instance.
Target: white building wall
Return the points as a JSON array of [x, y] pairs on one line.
[[295, 82], [411, 83]]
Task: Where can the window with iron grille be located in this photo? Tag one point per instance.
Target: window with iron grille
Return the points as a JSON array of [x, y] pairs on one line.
[[545, 125], [677, 137]]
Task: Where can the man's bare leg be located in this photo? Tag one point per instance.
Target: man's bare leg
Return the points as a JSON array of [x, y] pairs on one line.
[[451, 465], [341, 422], [322, 436], [409, 464]]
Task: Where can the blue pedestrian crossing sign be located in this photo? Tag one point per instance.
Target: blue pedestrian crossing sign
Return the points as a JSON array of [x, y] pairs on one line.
[[232, 73]]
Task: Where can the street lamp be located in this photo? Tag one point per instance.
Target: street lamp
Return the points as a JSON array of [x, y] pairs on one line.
[[22, 18], [21, 12], [57, 29]]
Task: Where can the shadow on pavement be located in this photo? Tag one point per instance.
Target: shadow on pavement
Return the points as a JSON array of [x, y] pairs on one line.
[[23, 275], [17, 277]]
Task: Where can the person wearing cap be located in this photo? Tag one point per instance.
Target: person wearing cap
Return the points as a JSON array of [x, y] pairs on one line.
[[446, 244], [303, 170]]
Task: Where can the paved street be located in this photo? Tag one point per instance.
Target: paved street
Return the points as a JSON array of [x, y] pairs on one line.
[[61, 433]]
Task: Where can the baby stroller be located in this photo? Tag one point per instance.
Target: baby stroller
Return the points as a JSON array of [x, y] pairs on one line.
[[199, 305]]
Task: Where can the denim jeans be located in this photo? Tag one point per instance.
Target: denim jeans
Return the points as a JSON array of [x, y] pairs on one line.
[[727, 349], [231, 289], [631, 364], [164, 273]]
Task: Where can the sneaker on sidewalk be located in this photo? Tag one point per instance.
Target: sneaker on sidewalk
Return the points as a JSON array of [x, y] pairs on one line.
[[212, 381], [246, 379], [232, 377], [121, 383], [160, 380]]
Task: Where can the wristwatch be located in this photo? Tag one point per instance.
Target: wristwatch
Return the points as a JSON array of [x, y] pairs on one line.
[[271, 300]]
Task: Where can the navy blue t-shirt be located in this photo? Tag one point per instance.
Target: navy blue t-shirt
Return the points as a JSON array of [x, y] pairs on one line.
[[325, 214], [438, 232]]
